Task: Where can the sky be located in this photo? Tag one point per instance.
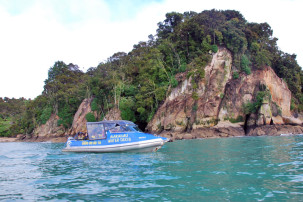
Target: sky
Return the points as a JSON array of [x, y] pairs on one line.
[[34, 34]]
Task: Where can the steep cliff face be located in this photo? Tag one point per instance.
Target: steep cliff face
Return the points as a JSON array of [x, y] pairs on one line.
[[217, 74], [181, 112], [79, 122], [221, 100], [242, 91]]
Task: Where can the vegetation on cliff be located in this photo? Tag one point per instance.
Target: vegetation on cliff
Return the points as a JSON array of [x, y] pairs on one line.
[[137, 82]]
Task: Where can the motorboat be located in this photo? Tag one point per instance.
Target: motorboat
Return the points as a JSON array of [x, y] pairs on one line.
[[114, 136]]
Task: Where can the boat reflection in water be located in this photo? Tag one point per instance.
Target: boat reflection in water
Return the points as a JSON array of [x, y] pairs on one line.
[[115, 136]]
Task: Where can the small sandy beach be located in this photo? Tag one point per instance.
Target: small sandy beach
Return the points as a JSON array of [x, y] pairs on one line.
[[8, 139]]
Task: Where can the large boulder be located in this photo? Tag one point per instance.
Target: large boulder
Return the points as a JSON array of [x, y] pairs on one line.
[[275, 130], [291, 120]]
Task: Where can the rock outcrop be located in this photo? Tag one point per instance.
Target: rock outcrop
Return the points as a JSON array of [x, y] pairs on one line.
[[221, 100], [181, 112], [113, 114], [79, 122], [242, 91], [50, 127], [50, 131]]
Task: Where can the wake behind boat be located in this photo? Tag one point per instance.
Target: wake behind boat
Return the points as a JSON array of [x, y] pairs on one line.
[[114, 136]]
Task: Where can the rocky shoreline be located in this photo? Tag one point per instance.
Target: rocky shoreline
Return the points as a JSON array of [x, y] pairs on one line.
[[8, 139], [234, 131], [36, 138], [216, 106], [222, 130]]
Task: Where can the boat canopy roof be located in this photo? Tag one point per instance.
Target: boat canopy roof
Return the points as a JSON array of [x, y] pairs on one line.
[[119, 122], [97, 130]]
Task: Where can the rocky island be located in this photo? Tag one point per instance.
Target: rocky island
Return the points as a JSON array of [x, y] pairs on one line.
[[220, 102], [204, 75]]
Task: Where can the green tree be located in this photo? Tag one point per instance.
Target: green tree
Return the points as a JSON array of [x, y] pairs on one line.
[[245, 64]]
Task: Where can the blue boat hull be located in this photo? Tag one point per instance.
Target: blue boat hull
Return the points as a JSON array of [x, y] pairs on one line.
[[140, 146]]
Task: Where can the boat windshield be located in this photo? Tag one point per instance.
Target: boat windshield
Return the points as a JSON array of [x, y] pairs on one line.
[[124, 128], [136, 128], [109, 126], [121, 129], [96, 131]]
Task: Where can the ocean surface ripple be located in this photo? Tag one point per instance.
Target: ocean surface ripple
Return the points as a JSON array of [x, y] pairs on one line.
[[227, 169]]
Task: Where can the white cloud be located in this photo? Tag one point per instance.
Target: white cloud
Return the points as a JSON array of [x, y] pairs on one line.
[[86, 34]]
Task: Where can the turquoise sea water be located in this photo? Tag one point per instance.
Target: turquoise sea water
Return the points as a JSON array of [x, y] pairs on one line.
[[229, 169]]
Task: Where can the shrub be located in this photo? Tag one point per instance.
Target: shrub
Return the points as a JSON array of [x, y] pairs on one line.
[[195, 107], [201, 73], [252, 107], [236, 75], [183, 67], [174, 82], [90, 117], [195, 96], [141, 110], [160, 93], [247, 70], [194, 85], [245, 64], [238, 119], [151, 115], [189, 74], [249, 108], [292, 105], [276, 110], [94, 105], [214, 48]]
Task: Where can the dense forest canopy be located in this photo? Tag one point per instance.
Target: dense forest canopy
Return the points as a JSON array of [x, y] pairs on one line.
[[137, 82]]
